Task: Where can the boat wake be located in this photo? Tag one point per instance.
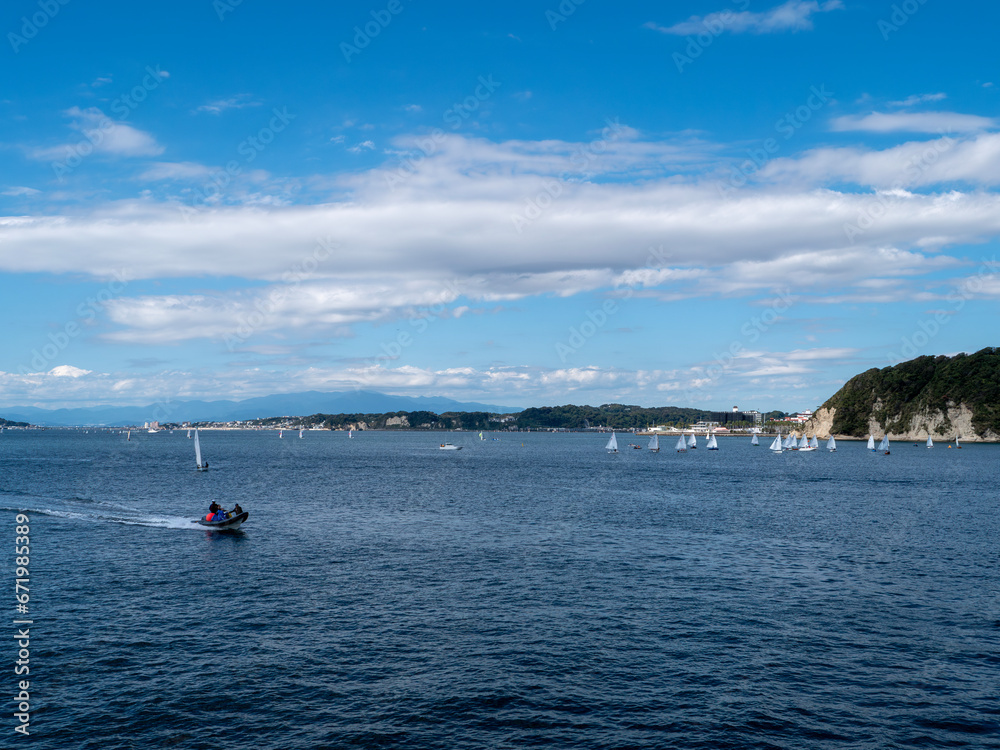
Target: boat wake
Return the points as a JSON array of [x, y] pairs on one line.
[[125, 519]]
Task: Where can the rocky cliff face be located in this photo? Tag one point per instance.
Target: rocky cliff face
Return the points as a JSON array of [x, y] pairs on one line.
[[957, 420]]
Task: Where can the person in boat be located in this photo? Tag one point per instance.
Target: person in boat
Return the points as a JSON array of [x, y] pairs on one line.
[[237, 509]]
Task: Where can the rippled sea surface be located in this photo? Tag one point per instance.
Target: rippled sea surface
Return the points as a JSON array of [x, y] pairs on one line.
[[530, 591]]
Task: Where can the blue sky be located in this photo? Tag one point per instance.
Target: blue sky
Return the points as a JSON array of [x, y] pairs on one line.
[[689, 203]]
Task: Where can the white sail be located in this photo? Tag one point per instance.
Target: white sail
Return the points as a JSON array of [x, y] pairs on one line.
[[654, 443], [302, 433], [481, 436], [197, 451], [692, 441], [803, 442], [884, 445], [956, 442], [682, 445], [871, 442], [789, 442], [776, 445], [814, 443], [612, 446], [930, 443], [713, 445], [281, 433], [831, 444], [189, 434], [753, 440]]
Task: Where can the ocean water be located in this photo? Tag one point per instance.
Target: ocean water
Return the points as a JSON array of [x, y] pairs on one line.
[[528, 592]]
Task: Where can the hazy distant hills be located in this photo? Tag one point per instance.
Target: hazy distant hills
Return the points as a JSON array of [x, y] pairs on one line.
[[309, 402]]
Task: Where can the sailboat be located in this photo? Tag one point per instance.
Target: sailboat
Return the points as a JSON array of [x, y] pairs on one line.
[[692, 441], [302, 434], [281, 434], [871, 443], [481, 436], [189, 434], [713, 445], [682, 445], [197, 454], [612, 446], [129, 436], [814, 443], [831, 444], [956, 442], [776, 445], [789, 443], [654, 444], [930, 443], [804, 444], [883, 447], [753, 440], [350, 433]]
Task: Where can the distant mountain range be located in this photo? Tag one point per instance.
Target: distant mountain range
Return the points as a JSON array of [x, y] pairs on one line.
[[285, 404]]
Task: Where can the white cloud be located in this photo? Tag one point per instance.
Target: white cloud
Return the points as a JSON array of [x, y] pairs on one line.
[[446, 230], [102, 135], [918, 99], [973, 159], [185, 170], [20, 190], [794, 15], [363, 146], [913, 122], [218, 106]]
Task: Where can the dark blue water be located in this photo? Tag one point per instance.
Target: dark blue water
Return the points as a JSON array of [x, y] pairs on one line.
[[531, 592]]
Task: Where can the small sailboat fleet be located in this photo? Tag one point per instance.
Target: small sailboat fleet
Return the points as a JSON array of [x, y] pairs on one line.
[[612, 446]]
